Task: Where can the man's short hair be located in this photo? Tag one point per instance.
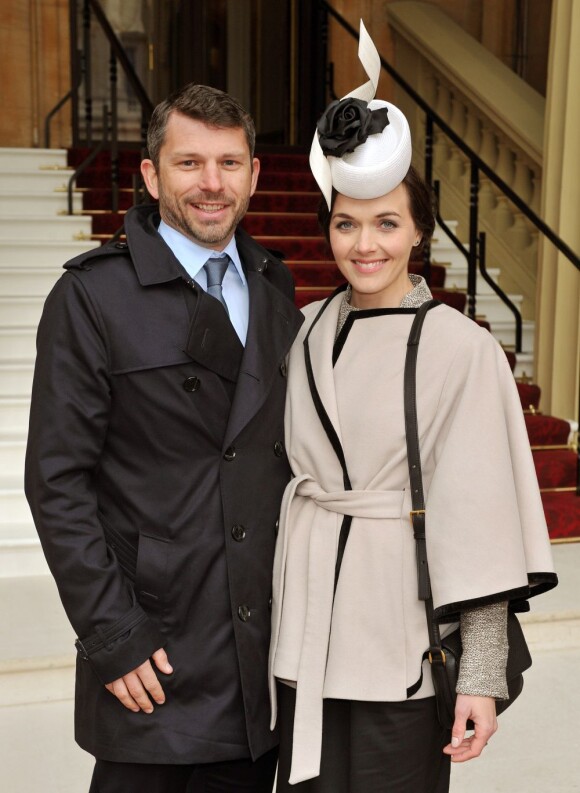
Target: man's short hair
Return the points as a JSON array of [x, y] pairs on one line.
[[202, 103]]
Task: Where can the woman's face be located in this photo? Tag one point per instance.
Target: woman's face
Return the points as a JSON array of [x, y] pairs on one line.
[[371, 240]]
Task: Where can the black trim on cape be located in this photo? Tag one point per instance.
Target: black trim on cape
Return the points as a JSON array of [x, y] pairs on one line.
[[362, 314], [517, 598]]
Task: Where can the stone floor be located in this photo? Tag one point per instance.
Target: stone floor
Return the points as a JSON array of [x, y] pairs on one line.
[[536, 749]]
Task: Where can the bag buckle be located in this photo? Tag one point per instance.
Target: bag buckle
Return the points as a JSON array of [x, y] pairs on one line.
[[441, 653], [415, 512]]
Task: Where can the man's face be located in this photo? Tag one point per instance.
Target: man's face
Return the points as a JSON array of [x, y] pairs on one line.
[[204, 181]]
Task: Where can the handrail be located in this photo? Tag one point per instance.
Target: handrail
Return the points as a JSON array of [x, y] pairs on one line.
[[122, 57], [477, 165], [50, 115], [460, 143], [499, 291], [88, 160], [81, 76], [76, 77], [481, 242]]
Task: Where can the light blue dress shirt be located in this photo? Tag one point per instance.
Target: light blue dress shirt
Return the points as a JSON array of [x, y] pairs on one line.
[[235, 287]]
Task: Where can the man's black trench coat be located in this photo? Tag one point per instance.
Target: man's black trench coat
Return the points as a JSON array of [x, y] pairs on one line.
[[155, 469]]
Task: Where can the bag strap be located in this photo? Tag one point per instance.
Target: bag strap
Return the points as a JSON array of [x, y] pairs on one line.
[[416, 477]]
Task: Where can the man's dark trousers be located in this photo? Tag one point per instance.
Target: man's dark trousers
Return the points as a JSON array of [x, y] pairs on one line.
[[237, 776]]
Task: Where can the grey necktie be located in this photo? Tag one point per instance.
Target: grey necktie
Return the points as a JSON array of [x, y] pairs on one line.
[[215, 269]]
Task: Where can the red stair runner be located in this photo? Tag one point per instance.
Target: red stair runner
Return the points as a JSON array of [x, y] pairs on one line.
[[282, 216]]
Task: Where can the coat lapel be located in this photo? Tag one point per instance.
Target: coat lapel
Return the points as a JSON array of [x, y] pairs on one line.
[[212, 341], [318, 346], [273, 325]]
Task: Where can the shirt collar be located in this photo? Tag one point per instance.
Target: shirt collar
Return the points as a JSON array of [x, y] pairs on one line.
[[193, 256]]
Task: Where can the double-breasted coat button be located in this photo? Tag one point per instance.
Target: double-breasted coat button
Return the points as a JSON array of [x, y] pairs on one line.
[[238, 532], [283, 369], [229, 454], [270, 604], [191, 383], [121, 246], [279, 449], [244, 612]]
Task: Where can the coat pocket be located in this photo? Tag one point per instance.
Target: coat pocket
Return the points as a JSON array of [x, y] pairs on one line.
[[152, 570], [125, 552]]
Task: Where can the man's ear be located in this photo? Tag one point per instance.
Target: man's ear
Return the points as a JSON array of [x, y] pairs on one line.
[[150, 178], [255, 174]]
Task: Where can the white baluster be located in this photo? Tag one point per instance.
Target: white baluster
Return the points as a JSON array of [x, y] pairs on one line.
[[473, 136], [519, 234], [522, 180], [488, 151], [503, 214], [536, 201], [457, 121], [487, 199], [505, 163]]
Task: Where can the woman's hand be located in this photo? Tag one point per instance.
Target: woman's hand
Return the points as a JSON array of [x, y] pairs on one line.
[[481, 711]]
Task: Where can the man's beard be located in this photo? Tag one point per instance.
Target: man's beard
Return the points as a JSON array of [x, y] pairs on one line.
[[206, 232]]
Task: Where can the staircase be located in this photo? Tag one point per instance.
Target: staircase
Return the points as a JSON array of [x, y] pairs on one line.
[[36, 237], [36, 642], [282, 217]]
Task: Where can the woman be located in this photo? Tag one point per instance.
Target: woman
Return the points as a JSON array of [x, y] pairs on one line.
[[355, 709]]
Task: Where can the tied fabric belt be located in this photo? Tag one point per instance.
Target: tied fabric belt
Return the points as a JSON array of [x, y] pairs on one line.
[[370, 504]]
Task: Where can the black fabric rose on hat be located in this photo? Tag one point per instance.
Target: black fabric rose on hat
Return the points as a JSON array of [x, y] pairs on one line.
[[346, 123]]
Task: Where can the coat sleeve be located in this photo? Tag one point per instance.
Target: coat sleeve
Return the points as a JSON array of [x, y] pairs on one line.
[[487, 539], [68, 427]]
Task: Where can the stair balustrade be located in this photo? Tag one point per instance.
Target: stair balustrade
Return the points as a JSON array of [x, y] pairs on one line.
[[509, 171], [477, 151], [86, 130]]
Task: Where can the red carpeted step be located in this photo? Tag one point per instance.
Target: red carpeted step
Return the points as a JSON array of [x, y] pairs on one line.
[[562, 512], [511, 356], [102, 178], [107, 222], [529, 395], [450, 298], [281, 224], [129, 159], [101, 198], [298, 248], [437, 273], [277, 201], [305, 296], [555, 467], [283, 162], [315, 274], [546, 430], [287, 180]]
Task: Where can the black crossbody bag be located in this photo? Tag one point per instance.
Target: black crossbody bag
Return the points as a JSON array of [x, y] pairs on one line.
[[445, 654]]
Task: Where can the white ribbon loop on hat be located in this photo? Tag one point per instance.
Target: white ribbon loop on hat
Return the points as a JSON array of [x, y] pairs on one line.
[[369, 56], [371, 60], [377, 166]]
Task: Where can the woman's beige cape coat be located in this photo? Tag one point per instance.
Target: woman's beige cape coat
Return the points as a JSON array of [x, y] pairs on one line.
[[486, 534]]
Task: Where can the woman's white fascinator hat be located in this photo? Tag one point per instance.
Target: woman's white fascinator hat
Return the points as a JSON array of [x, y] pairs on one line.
[[362, 145]]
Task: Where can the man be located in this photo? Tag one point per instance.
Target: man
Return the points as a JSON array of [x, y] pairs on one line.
[[155, 466]]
